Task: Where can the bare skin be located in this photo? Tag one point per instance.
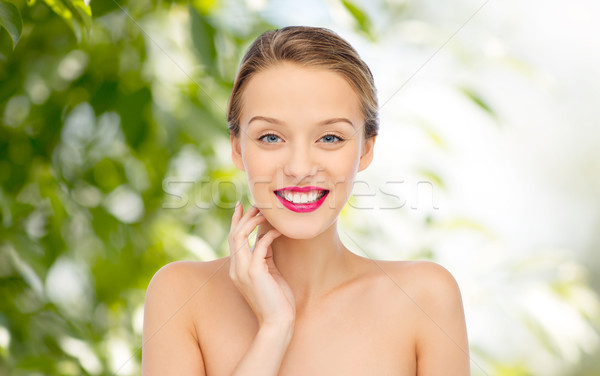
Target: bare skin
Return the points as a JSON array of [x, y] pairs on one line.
[[300, 302], [369, 326]]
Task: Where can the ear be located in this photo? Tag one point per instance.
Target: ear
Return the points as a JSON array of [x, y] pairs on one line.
[[236, 153], [367, 153]]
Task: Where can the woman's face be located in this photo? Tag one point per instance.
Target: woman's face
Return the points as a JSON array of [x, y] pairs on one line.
[[299, 128]]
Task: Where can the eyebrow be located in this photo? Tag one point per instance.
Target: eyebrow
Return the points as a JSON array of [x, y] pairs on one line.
[[323, 122]]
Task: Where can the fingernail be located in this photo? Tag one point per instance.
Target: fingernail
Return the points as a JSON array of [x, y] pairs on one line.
[[237, 204]]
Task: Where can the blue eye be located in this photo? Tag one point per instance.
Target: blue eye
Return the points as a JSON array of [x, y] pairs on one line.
[[330, 139], [270, 137]]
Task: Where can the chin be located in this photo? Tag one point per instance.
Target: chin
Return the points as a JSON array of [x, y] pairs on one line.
[[295, 228], [292, 231]]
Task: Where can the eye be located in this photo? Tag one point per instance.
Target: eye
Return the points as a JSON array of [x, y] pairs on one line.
[[270, 138], [330, 139]]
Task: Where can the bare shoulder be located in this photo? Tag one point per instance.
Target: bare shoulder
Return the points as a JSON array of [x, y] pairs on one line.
[[441, 342], [424, 279], [170, 343], [184, 286], [180, 276], [429, 290]]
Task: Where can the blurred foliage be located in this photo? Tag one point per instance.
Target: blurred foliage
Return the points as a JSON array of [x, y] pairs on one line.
[[114, 160], [85, 145]]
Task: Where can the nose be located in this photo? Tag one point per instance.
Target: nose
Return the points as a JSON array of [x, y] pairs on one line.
[[299, 163]]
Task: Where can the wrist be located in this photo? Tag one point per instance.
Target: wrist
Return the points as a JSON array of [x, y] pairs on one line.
[[283, 330], [277, 323]]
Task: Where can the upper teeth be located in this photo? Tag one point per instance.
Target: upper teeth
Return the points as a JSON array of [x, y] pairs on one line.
[[301, 198]]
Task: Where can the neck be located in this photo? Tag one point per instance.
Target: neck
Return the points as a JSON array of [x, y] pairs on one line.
[[312, 267]]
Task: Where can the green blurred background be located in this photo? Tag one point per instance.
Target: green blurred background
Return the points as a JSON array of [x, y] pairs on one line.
[[114, 161]]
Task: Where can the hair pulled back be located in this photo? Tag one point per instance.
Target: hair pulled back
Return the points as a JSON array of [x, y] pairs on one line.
[[307, 47]]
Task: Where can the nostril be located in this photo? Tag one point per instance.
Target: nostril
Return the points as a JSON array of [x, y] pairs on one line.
[[301, 166]]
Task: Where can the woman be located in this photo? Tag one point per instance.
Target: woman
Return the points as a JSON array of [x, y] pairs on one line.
[[303, 121]]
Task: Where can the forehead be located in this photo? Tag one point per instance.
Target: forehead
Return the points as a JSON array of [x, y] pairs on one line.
[[299, 94]]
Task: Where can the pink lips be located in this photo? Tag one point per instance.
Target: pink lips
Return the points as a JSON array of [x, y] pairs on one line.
[[302, 208]]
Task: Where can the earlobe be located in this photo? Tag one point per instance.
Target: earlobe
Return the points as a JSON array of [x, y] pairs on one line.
[[236, 153], [367, 154]]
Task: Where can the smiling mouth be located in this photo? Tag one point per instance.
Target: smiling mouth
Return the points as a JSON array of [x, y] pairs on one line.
[[299, 198]]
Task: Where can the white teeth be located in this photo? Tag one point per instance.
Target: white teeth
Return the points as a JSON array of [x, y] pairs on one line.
[[301, 198]]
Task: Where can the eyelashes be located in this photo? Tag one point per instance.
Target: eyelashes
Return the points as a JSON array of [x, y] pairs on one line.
[[269, 135], [274, 137]]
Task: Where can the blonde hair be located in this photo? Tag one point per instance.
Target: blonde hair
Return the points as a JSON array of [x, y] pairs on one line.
[[306, 46]]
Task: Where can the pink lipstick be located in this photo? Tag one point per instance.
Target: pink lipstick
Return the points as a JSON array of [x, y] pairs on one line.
[[302, 199]]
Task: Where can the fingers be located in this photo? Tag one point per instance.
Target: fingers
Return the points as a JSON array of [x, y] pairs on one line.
[[235, 218], [242, 224], [242, 232], [238, 214], [239, 225], [260, 249]]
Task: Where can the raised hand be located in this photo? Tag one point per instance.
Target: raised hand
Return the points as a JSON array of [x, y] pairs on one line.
[[254, 273]]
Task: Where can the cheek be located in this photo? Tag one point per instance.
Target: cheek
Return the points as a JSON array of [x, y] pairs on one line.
[[342, 168], [343, 163], [261, 170], [256, 166], [256, 160]]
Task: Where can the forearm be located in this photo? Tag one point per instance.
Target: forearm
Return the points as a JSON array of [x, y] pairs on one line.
[[266, 352]]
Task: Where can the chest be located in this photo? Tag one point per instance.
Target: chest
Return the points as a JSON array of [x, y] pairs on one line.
[[362, 334]]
